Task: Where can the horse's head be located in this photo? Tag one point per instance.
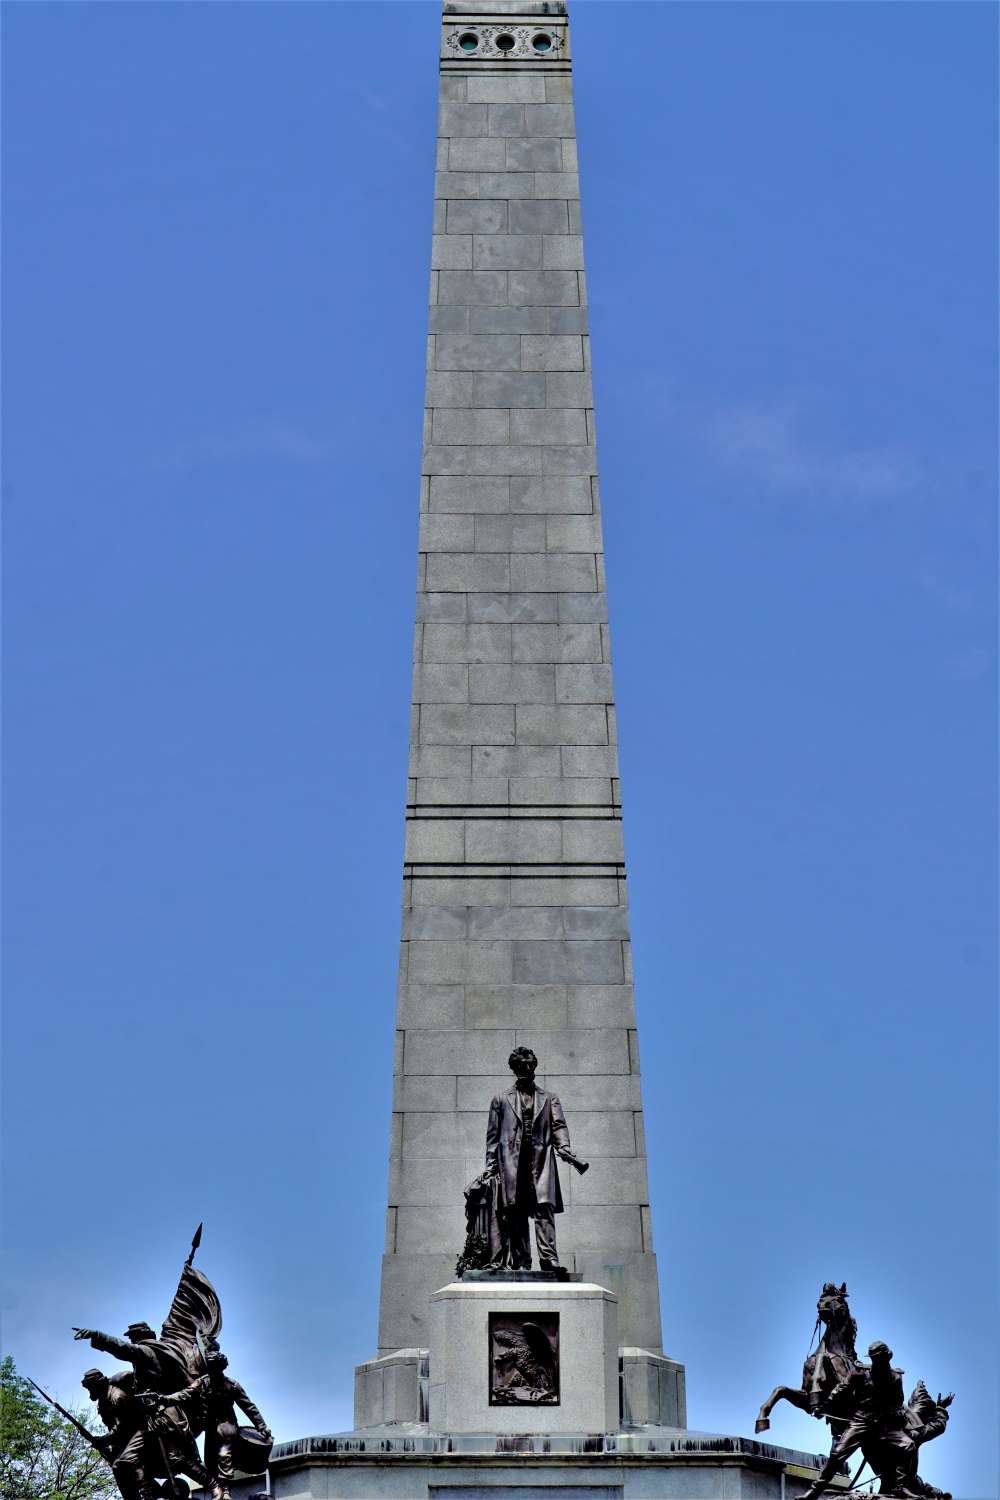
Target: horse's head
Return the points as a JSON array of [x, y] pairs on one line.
[[834, 1313]]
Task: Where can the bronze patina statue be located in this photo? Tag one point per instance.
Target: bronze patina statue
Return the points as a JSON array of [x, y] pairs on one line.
[[228, 1446], [175, 1390], [864, 1407], [526, 1132]]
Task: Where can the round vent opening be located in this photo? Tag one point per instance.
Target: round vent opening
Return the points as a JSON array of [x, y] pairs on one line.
[[541, 42], [468, 41], [505, 42]]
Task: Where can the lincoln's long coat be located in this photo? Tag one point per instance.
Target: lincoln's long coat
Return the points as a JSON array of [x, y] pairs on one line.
[[503, 1144]]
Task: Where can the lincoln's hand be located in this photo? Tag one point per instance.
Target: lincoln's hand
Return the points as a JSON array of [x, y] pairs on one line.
[[83, 1333]]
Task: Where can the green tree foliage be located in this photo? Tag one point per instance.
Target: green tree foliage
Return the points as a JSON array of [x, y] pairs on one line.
[[42, 1456]]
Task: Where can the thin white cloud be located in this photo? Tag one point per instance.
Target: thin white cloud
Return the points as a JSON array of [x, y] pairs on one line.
[[769, 444], [265, 439]]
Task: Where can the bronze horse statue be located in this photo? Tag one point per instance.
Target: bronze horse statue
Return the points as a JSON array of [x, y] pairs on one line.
[[834, 1359]]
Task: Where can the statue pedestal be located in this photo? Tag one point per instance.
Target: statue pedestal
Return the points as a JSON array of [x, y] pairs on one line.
[[510, 1357]]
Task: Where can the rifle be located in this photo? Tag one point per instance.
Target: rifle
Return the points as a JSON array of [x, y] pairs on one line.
[[91, 1439]]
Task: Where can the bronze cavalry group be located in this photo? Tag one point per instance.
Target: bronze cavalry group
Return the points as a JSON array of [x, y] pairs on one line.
[[173, 1390], [864, 1405]]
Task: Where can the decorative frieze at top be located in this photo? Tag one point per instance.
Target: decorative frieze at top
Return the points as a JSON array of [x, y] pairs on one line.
[[497, 42]]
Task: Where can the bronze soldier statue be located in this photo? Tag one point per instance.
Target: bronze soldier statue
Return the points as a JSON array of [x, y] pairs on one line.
[[888, 1433], [131, 1445], [526, 1132], [215, 1398]]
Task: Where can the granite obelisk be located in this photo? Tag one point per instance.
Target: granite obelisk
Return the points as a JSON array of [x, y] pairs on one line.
[[515, 921]]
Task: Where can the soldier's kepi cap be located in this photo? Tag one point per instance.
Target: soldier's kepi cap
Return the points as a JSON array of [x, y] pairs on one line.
[[92, 1377], [139, 1331], [879, 1348]]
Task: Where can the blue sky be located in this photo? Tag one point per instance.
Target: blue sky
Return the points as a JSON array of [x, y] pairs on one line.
[[217, 237]]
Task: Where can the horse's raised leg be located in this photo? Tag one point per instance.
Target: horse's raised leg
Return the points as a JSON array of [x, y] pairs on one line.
[[794, 1397]]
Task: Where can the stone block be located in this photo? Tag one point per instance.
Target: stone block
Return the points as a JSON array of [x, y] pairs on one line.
[[573, 1052], [479, 156], [603, 1227], [596, 921], [449, 724], [560, 426], [407, 1281], [507, 388], [420, 1181], [509, 319], [447, 533], [568, 319], [441, 791], [585, 841], [515, 89], [574, 533], [447, 320], [549, 572], [508, 841], [441, 962], [555, 185], [450, 388], [536, 288], [520, 683], [469, 494], [514, 683], [542, 119], [563, 890], [516, 922], [568, 962], [445, 1136], [510, 534], [562, 252], [558, 791], [457, 184], [477, 216], [451, 251], [438, 1006], [507, 252], [470, 287], [504, 184], [436, 841], [462, 1053], [551, 494], [567, 388], [515, 760], [468, 643], [455, 91], [538, 216], [497, 459], [421, 1230], [559, 89], [575, 460], [612, 1180], [653, 1392], [537, 352], [443, 890], [508, 608], [544, 724], [586, 607], [484, 351], [440, 760], [466, 119], [505, 119], [436, 922], [463, 571], [471, 425], [591, 1091], [570, 155], [555, 643], [515, 1005], [434, 606], [441, 682], [460, 1357], [476, 1093], [584, 682], [388, 1391], [534, 156]]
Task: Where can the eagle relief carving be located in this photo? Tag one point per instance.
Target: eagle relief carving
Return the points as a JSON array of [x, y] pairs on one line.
[[524, 1359]]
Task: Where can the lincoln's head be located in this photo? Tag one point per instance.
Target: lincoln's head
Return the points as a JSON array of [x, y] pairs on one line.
[[522, 1063]]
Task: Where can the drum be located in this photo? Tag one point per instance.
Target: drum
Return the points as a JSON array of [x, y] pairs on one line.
[[251, 1451]]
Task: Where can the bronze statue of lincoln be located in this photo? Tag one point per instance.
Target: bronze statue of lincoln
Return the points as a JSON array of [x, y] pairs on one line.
[[526, 1132]]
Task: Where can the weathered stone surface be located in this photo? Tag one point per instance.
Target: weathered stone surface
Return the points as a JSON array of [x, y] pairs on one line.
[[515, 924]]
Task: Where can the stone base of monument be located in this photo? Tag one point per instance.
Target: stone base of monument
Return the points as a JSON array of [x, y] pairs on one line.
[[525, 1388]]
